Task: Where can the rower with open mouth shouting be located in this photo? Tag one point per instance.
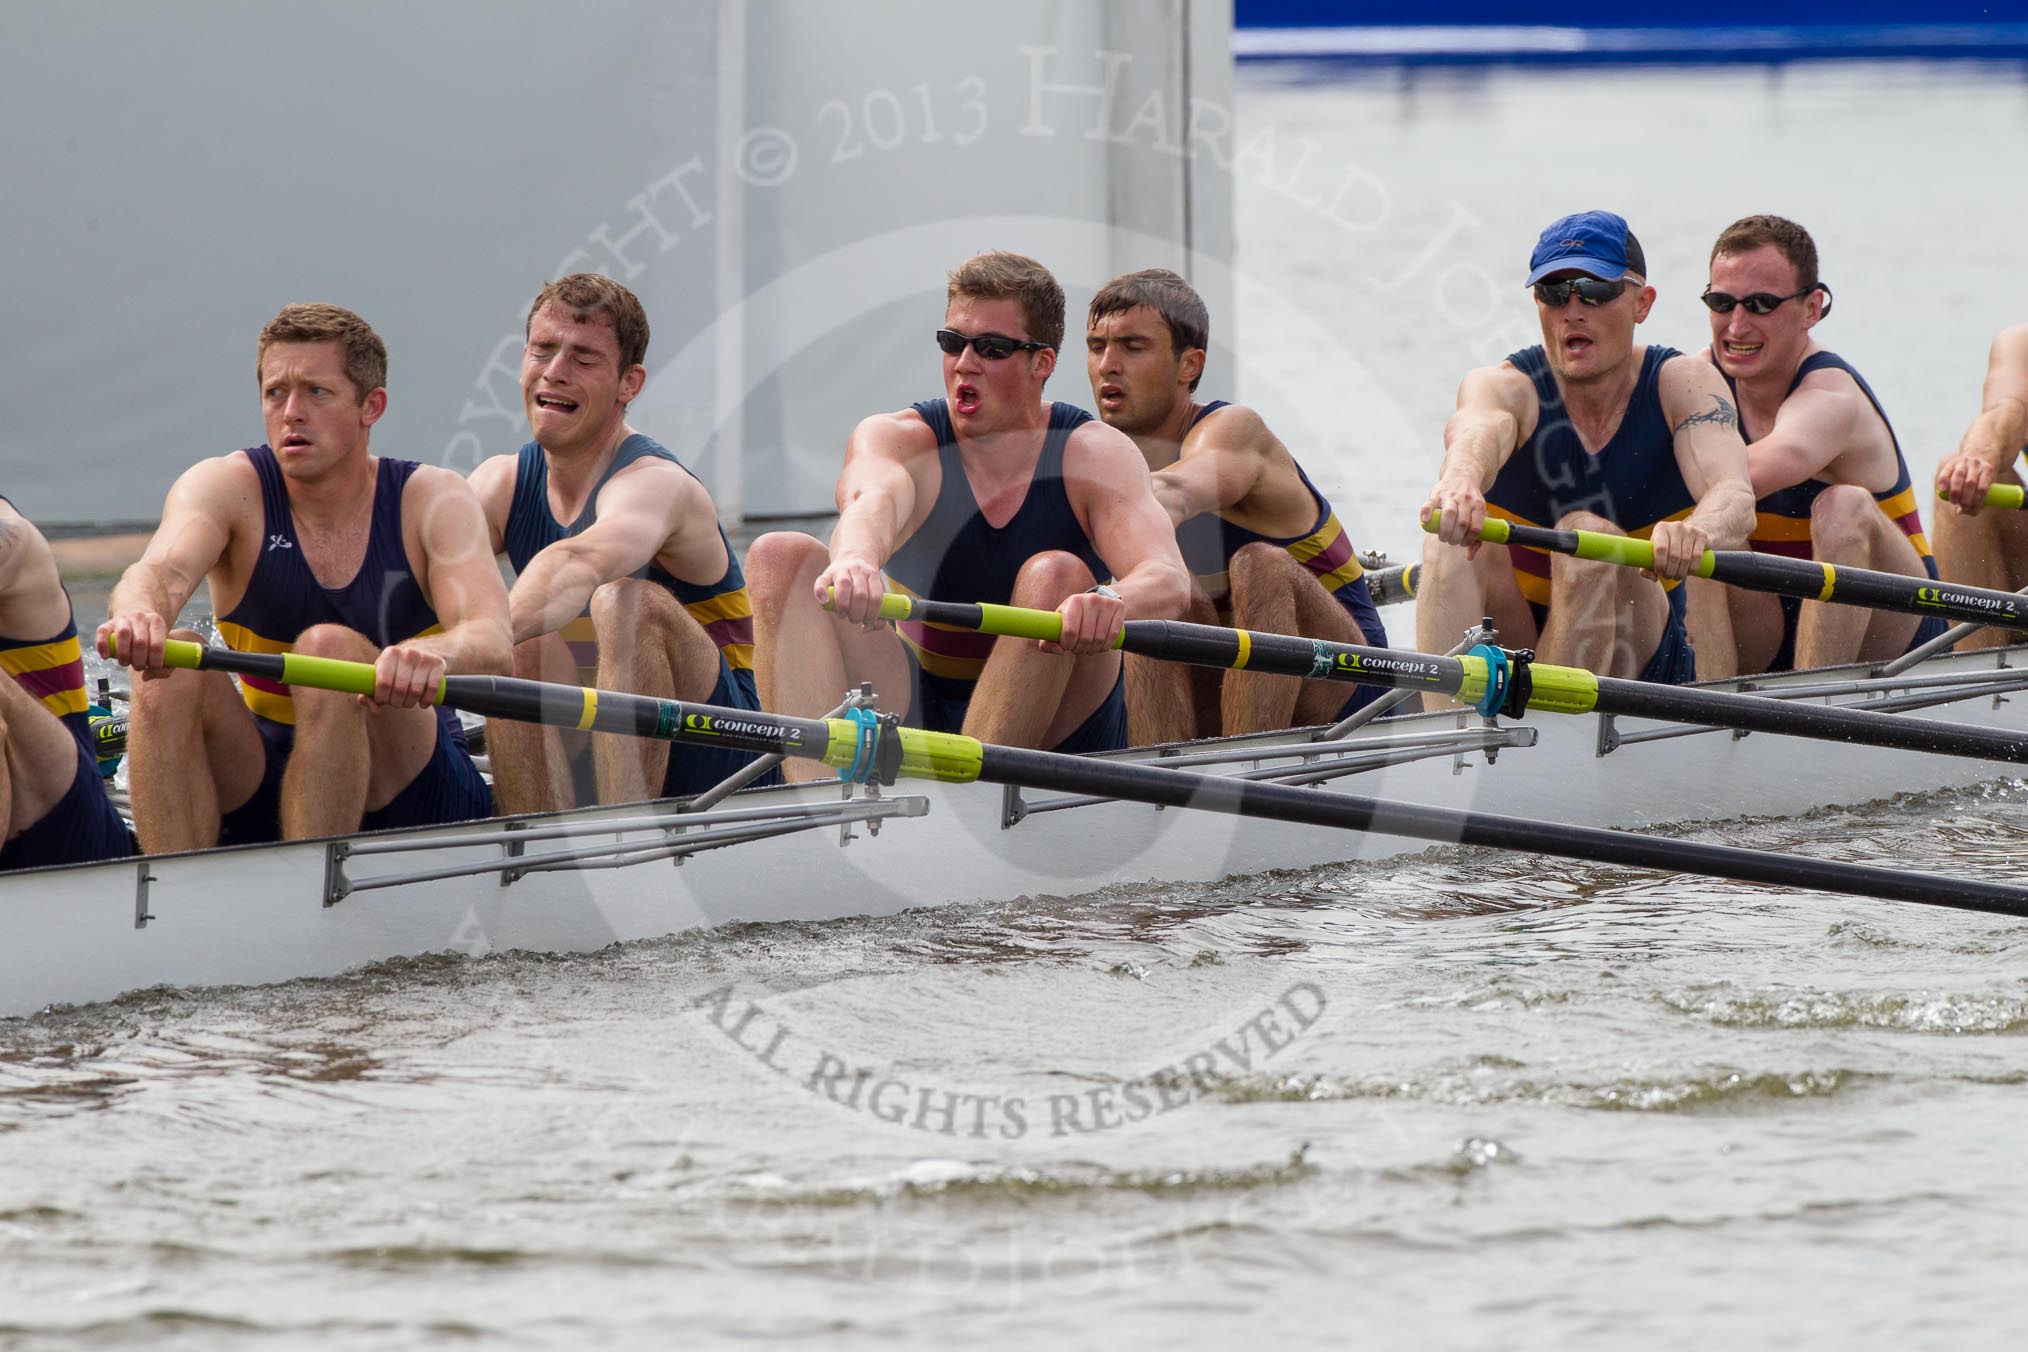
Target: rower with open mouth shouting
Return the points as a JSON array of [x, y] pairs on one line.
[[624, 578], [989, 494], [1589, 431]]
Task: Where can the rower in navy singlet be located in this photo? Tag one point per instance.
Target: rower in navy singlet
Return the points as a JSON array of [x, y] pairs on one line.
[[1632, 481], [988, 494], [1975, 545], [310, 544], [384, 603], [640, 591], [957, 552], [1265, 547], [1588, 431], [1832, 482], [54, 804]]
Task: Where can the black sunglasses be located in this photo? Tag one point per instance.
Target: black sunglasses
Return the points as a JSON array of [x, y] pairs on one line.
[[1760, 302], [1590, 290], [991, 346]]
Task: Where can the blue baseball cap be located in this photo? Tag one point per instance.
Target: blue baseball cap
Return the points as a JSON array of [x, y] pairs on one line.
[[1594, 242]]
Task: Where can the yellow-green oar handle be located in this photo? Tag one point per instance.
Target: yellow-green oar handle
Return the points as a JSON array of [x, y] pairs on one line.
[[2011, 496], [317, 673], [1625, 550], [1006, 621]]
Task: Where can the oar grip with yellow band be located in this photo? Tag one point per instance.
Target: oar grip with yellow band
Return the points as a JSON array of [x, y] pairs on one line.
[[1625, 550]]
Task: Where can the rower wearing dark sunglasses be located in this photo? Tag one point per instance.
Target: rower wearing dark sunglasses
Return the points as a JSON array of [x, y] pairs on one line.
[[1988, 548], [1829, 475], [1589, 431], [989, 494]]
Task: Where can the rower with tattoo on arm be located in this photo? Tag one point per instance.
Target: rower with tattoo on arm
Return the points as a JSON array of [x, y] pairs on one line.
[[1589, 431], [1988, 548]]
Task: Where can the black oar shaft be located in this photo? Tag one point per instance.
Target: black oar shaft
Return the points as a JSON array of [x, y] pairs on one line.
[[1803, 579], [1758, 713], [1279, 802]]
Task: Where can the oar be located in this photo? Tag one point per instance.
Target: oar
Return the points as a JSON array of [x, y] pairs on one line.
[[865, 744], [1802, 578], [1487, 677], [2011, 496], [1392, 586]]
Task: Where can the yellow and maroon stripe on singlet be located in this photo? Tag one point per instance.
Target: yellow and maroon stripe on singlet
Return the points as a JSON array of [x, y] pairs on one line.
[[723, 609], [1782, 518], [52, 670], [283, 597]]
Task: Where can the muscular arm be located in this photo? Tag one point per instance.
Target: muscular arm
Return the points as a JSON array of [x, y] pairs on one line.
[[877, 498], [641, 511], [493, 482], [1496, 412], [1998, 433], [1817, 426], [1109, 489], [461, 581], [1713, 461], [1222, 461], [204, 507], [31, 589]]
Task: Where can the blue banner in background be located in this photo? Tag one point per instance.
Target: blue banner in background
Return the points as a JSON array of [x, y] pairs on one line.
[[1470, 32]]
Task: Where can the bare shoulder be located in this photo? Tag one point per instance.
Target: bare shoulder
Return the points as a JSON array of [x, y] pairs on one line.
[[22, 546], [1501, 386], [495, 475], [651, 480], [1095, 445], [435, 489], [1234, 427], [1689, 386], [900, 435], [2010, 349], [225, 488]]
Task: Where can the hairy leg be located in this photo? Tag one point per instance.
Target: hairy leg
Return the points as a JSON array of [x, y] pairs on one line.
[[1173, 701], [1987, 550], [650, 645], [193, 753], [1273, 593], [805, 658], [1029, 697], [1848, 530], [531, 761], [1603, 617], [350, 756]]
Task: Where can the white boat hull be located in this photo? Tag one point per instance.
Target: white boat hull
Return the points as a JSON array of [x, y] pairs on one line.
[[260, 914]]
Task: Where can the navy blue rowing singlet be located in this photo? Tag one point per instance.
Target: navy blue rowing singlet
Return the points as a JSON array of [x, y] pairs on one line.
[[955, 555], [1633, 482], [723, 608], [1782, 518], [283, 597]]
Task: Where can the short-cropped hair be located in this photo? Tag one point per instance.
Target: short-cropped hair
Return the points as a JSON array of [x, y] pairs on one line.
[[364, 355], [1168, 295], [589, 296], [1011, 276], [1754, 232]]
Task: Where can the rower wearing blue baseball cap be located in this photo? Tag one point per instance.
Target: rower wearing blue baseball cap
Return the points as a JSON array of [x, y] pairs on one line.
[[1589, 431]]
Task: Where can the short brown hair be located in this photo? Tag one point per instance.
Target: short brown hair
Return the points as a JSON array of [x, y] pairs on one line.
[[1755, 232], [588, 296], [1010, 276], [365, 356], [1168, 295]]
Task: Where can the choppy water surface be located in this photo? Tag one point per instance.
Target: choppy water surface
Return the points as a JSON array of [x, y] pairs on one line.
[[1454, 1100]]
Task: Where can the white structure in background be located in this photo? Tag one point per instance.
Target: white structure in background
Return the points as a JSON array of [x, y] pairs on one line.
[[784, 183]]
